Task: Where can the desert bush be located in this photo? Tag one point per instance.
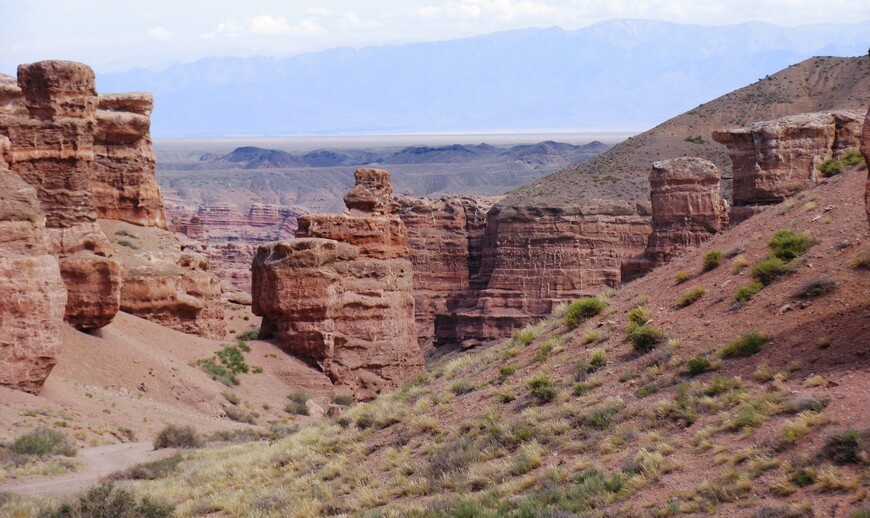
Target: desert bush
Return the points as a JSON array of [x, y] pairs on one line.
[[343, 400], [250, 334], [844, 447], [239, 415], [767, 270], [106, 501], [506, 370], [459, 388], [232, 397], [831, 167], [542, 388], [545, 349], [682, 276], [862, 260], [581, 310], [698, 365], [690, 297], [786, 244], [149, 470], [853, 157], [173, 436], [296, 406], [597, 359], [747, 291], [815, 288], [712, 259], [43, 441], [639, 316], [218, 372], [745, 346], [231, 356], [524, 336], [644, 338]]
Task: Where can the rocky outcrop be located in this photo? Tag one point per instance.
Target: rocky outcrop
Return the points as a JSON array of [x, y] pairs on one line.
[[123, 181], [445, 239], [772, 160], [166, 280], [340, 295], [865, 149], [50, 120], [535, 258], [32, 293], [687, 209]]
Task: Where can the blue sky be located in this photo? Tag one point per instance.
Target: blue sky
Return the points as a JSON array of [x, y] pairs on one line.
[[114, 35]]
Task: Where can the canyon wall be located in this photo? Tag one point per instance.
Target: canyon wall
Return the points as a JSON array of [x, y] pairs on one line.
[[865, 149], [32, 292], [50, 120], [445, 239], [535, 258], [773, 160], [340, 296]]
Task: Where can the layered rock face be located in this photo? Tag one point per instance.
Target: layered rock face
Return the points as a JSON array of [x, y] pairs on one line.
[[865, 149], [166, 280], [535, 258], [772, 160], [340, 296], [123, 181], [231, 238], [32, 292], [687, 209], [445, 239], [50, 120]]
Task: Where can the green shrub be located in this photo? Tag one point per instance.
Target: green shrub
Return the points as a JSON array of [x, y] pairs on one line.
[[831, 167], [682, 276], [745, 346], [853, 157], [639, 316], [43, 441], [747, 291], [506, 370], [461, 387], [107, 501], [153, 470], [250, 334], [691, 296], [524, 336], [218, 372], [232, 397], [231, 356], [542, 388], [343, 400], [698, 365], [787, 244], [597, 359], [844, 447], [239, 415], [712, 259], [296, 406], [644, 338], [581, 310], [545, 349], [767, 270], [173, 436]]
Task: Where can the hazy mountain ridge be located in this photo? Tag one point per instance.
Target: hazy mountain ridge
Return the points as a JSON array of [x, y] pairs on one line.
[[613, 75]]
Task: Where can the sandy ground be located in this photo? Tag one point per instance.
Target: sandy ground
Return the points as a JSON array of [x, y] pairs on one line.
[[97, 462]]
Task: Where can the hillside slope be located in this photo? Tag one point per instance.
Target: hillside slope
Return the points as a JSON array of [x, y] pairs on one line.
[[578, 423], [821, 83]]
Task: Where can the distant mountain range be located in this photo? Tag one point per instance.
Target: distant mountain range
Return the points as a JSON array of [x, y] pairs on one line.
[[543, 154], [616, 75]]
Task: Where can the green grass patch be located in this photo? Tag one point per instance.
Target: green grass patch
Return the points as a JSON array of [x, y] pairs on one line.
[[712, 259], [581, 310], [690, 297], [745, 346]]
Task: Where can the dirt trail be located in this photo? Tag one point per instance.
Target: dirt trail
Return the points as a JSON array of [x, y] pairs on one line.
[[98, 462]]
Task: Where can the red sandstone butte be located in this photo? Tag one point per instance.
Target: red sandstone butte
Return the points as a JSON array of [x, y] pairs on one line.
[[32, 293], [340, 295]]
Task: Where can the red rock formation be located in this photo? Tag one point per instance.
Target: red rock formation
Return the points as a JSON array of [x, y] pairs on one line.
[[123, 179], [535, 258], [865, 149], [52, 149], [341, 296], [166, 281], [687, 209], [772, 160], [32, 293], [444, 239]]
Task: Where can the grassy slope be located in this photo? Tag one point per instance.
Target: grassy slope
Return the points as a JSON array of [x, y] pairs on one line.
[[640, 437], [816, 84]]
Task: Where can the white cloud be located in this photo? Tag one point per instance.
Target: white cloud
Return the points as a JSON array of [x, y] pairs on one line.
[[352, 18], [265, 24], [429, 11], [229, 28], [503, 9], [319, 11], [159, 34]]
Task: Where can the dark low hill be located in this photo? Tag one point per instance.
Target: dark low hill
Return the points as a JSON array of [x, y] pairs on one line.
[[821, 83]]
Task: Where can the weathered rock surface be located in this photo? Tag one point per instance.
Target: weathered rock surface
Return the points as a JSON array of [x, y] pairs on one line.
[[123, 181], [165, 280], [772, 160], [32, 293], [340, 296], [865, 149], [535, 258], [445, 242], [687, 209], [52, 149]]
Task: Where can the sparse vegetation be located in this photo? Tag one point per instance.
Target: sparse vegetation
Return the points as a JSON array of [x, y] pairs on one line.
[[524, 336], [745, 346], [713, 259], [747, 291], [698, 365], [815, 288], [542, 388], [844, 447], [682, 276], [226, 364], [690, 297], [250, 334], [581, 310], [106, 500], [173, 436], [297, 406], [833, 167], [43, 441], [767, 270], [644, 338], [788, 245], [459, 388], [343, 400]]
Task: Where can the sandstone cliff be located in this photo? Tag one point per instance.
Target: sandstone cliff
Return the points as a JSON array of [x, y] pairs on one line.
[[445, 238], [50, 121], [32, 293], [340, 296], [865, 149]]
